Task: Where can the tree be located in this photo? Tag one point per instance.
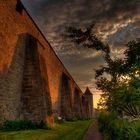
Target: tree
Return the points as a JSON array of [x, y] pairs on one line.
[[122, 90]]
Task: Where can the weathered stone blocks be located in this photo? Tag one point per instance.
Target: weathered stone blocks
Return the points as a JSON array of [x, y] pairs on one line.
[[34, 84]]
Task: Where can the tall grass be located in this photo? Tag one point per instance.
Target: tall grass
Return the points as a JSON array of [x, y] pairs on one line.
[[118, 129]]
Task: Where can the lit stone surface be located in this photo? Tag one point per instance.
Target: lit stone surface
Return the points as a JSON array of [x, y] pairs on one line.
[[32, 81]]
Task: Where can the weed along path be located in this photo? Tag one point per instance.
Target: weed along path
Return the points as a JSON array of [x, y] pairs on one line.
[[93, 133]]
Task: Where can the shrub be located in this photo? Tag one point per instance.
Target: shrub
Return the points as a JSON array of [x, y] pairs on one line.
[[59, 120], [42, 125], [22, 125], [116, 129], [133, 131]]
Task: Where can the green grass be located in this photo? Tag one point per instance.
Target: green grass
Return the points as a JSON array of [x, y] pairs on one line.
[[66, 131]]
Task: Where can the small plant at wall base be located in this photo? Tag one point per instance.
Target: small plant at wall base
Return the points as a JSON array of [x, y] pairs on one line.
[[22, 125]]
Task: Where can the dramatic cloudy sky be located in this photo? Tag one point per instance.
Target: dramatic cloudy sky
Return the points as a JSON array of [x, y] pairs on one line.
[[116, 22]]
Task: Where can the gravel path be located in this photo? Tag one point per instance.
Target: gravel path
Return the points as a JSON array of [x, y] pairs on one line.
[[93, 133]]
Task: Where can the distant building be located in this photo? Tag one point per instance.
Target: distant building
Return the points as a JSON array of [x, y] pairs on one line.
[[89, 99]]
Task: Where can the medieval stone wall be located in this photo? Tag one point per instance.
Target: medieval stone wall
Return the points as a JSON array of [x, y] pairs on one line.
[[35, 95], [11, 82], [17, 65]]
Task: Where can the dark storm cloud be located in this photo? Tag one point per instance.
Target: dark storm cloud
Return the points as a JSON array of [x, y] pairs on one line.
[[117, 21], [121, 9], [86, 8], [109, 15], [123, 35]]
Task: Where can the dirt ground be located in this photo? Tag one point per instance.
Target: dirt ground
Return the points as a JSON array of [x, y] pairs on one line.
[[93, 133]]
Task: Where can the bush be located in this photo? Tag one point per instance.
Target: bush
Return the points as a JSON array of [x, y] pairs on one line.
[[59, 120], [133, 131], [22, 125], [116, 129]]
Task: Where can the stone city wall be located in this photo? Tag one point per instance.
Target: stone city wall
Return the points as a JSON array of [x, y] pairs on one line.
[[33, 81]]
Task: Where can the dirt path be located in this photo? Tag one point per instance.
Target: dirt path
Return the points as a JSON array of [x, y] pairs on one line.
[[93, 133]]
